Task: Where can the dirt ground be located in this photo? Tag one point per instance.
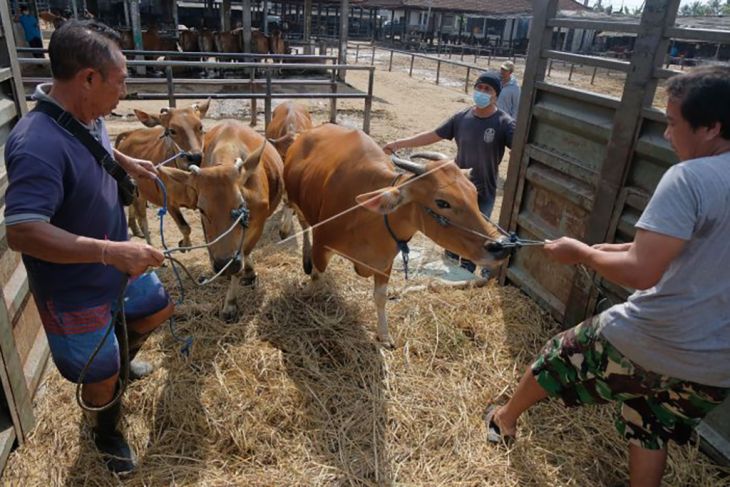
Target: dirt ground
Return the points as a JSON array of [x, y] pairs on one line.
[[296, 393]]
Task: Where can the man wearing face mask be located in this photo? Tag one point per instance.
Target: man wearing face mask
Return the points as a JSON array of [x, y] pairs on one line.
[[481, 133]]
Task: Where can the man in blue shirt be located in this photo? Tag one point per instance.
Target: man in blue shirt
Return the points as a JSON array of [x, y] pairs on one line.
[[64, 215], [31, 29]]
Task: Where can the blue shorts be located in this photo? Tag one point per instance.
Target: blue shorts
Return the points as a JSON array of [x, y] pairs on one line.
[[74, 333]]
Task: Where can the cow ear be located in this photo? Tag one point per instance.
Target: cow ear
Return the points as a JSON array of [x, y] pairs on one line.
[[251, 162], [382, 201], [202, 108], [147, 119]]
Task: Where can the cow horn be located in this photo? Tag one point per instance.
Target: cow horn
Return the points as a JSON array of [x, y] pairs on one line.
[[410, 166], [431, 156], [238, 164], [194, 169], [164, 110]]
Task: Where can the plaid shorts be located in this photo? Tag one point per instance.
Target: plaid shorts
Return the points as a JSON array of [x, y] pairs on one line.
[[581, 367]]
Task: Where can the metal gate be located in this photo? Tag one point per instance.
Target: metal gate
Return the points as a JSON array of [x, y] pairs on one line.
[[23, 346], [584, 165]]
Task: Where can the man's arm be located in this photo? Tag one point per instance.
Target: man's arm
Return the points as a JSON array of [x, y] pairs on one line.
[[424, 138], [137, 168], [640, 266], [47, 242]]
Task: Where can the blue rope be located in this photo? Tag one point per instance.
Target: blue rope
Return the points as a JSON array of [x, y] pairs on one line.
[[187, 342]]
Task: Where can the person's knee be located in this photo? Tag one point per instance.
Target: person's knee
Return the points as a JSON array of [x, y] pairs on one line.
[[74, 357]]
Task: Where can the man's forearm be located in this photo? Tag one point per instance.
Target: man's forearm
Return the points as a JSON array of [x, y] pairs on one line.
[[619, 266], [425, 138], [52, 244]]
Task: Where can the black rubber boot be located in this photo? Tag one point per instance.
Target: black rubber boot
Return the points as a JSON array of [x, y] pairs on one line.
[[138, 369], [118, 455]]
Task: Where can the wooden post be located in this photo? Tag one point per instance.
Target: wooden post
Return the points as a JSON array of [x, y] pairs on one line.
[[466, 83], [570, 73], [137, 31], [265, 18], [246, 21], [344, 15], [540, 35], [438, 71], [175, 17], [357, 53], [307, 26], [410, 71], [267, 101], [225, 15], [390, 62], [372, 59], [333, 100], [593, 78], [368, 102], [170, 87]]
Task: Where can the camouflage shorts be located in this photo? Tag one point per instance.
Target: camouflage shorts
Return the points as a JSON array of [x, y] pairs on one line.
[[581, 367]]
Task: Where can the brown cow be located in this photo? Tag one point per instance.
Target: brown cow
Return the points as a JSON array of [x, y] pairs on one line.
[[174, 130], [342, 183], [206, 41], [240, 172], [230, 41], [51, 18], [259, 42], [189, 40], [288, 120]]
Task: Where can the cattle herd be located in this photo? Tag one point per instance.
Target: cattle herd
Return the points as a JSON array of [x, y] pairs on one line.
[[350, 197]]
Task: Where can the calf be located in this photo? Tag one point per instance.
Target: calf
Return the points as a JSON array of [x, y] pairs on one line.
[[172, 131]]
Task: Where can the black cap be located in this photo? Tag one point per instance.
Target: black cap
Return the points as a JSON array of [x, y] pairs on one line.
[[491, 78]]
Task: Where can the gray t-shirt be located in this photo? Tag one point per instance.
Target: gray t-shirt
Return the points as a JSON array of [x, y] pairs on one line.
[[480, 144], [681, 326]]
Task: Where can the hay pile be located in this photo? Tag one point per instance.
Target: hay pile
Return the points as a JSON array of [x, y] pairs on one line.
[[297, 393]]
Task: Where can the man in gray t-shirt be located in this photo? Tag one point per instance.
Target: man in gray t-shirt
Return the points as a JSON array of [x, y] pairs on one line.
[[663, 355], [481, 133]]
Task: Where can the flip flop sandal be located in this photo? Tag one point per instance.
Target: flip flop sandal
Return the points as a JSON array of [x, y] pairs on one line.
[[494, 435]]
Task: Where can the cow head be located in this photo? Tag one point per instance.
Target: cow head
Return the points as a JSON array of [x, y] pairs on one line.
[[445, 209], [282, 144], [183, 128], [222, 206]]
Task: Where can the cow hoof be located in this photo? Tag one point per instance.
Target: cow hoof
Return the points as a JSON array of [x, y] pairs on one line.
[[249, 280], [183, 244], [386, 343], [229, 314], [307, 264]]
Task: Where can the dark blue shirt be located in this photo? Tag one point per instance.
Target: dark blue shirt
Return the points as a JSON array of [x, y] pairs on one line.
[[52, 177], [480, 144]]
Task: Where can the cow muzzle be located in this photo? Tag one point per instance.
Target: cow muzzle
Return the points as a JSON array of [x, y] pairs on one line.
[[194, 157], [234, 265], [500, 249]]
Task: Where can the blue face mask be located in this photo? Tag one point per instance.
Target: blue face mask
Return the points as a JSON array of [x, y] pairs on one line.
[[481, 99]]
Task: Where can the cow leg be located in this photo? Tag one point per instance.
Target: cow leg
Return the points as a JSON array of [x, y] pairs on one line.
[[249, 273], [286, 224], [254, 113], [306, 245], [132, 222], [182, 225], [230, 308], [380, 296]]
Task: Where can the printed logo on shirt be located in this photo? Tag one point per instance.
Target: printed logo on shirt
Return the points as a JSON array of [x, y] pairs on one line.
[[489, 135]]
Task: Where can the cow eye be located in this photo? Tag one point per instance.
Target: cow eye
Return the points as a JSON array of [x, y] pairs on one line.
[[172, 131], [443, 204]]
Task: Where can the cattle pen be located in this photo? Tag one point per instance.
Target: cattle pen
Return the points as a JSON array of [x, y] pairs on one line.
[[296, 391]]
